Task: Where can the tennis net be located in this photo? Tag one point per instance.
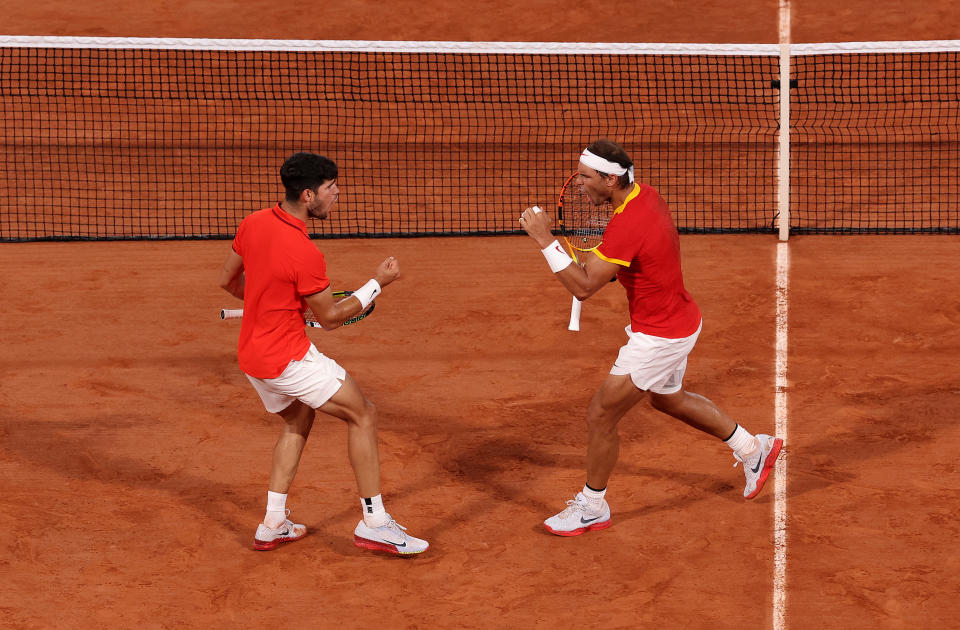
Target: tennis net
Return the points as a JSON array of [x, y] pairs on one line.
[[875, 137], [152, 139]]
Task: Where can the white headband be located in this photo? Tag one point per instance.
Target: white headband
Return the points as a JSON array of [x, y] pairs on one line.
[[603, 165]]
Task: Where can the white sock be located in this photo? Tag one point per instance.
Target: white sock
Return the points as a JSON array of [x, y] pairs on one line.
[[742, 443], [374, 514], [594, 497], [276, 509]]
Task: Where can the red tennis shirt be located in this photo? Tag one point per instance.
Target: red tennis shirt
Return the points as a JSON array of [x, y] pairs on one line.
[[642, 239], [281, 265]]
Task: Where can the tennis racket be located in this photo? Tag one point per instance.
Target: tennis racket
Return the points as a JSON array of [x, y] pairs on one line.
[[309, 318], [581, 224]]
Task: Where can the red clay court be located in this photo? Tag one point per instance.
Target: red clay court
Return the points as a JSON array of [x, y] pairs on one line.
[[134, 454]]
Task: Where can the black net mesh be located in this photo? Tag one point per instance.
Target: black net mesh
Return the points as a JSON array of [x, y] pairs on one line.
[[151, 144]]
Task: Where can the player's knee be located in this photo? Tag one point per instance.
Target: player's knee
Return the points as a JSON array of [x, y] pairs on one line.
[[600, 420], [366, 416]]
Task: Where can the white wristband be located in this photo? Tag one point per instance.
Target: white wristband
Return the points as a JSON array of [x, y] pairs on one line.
[[556, 257], [367, 292]]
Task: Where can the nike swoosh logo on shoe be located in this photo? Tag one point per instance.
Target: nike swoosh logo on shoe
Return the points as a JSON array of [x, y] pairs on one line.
[[285, 532], [390, 542], [586, 521], [756, 468]]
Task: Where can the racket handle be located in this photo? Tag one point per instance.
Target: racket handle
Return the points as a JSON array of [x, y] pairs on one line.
[[575, 314], [237, 313]]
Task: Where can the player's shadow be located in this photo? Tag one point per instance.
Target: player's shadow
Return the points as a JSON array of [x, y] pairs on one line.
[[48, 444], [489, 464], [492, 464]]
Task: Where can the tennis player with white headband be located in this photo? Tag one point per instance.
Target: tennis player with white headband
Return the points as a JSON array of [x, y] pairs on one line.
[[641, 248], [603, 165]]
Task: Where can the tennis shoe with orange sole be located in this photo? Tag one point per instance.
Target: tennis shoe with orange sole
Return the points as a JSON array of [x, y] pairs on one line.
[[392, 537], [268, 538], [578, 518], [757, 468]]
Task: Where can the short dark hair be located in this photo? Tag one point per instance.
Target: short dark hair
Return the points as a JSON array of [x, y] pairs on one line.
[[610, 150], [302, 171]]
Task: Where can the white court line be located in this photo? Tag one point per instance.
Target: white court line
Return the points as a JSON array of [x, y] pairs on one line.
[[780, 468], [780, 385]]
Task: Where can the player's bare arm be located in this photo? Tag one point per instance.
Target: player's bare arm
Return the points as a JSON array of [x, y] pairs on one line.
[[232, 276], [582, 280], [598, 272], [331, 313]]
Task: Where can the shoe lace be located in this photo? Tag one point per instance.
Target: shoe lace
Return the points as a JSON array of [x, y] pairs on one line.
[[741, 460], [573, 507], [395, 528], [395, 525]]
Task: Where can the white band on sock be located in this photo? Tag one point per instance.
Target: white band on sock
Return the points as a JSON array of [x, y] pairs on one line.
[[276, 502], [593, 496], [556, 257], [276, 509], [593, 499], [742, 442], [368, 292], [374, 514]]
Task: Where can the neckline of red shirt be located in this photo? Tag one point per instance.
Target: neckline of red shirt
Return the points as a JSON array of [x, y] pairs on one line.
[[288, 218]]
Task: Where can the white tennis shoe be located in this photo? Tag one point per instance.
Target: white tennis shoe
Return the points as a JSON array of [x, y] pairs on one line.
[[268, 538], [757, 468], [578, 518], [391, 537]]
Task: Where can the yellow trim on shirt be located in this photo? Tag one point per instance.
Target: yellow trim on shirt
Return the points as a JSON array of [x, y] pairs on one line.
[[633, 193], [616, 261]]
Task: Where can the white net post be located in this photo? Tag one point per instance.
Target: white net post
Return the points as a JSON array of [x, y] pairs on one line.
[[783, 160]]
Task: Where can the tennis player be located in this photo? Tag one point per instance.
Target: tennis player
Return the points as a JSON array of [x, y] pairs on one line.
[[277, 272], [641, 248]]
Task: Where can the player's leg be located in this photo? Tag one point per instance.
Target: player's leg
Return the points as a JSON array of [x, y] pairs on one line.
[[276, 528], [616, 396], [588, 510], [696, 411], [377, 530], [297, 422], [758, 453], [360, 416], [642, 361]]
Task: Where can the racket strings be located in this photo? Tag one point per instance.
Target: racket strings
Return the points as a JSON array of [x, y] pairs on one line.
[[584, 222]]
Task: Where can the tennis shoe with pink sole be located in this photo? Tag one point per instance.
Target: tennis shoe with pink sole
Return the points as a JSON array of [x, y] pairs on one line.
[[757, 468], [268, 538], [578, 518], [392, 537]]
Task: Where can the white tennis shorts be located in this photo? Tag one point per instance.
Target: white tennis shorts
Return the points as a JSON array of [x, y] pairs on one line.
[[655, 364], [314, 379]]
